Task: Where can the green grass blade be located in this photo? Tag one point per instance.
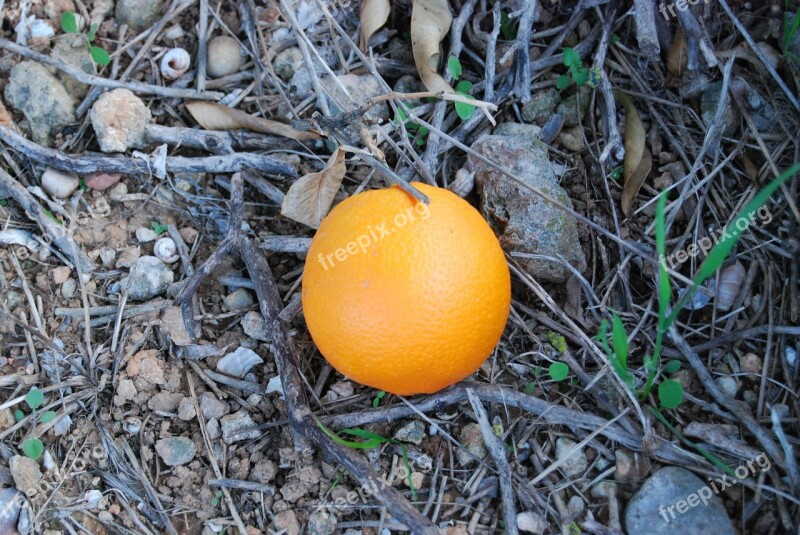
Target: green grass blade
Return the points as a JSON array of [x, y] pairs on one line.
[[619, 338], [664, 290]]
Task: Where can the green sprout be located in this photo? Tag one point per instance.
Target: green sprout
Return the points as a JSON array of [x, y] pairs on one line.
[[463, 88], [576, 72], [69, 23]]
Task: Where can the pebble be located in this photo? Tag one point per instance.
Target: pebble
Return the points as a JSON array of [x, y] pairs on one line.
[[126, 391], [238, 363], [528, 223], [102, 181], [751, 363], [93, 498], [237, 427], [728, 385], [25, 472], [255, 326], [576, 506], [69, 288], [649, 509], [211, 408], [360, 87], [472, 445], [212, 428], [148, 278], [339, 390], [59, 185], [530, 522], [274, 385], [541, 106], [62, 425], [321, 523], [127, 257], [61, 274], [709, 103], [574, 107], [286, 521], [186, 410], [175, 450], [413, 432], [172, 323], [11, 502], [138, 14], [576, 464], [238, 300], [224, 56], [146, 235], [71, 49], [119, 119], [42, 98], [287, 62]]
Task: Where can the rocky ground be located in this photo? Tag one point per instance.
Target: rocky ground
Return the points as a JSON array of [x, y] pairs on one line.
[[127, 176]]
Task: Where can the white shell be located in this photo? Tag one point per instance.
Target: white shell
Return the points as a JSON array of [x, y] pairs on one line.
[[729, 284], [238, 363], [166, 250], [59, 185], [174, 63]]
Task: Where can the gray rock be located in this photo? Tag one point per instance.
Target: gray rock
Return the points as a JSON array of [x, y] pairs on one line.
[[727, 385], [212, 427], [238, 299], [255, 326], [42, 98], [530, 522], [145, 235], [238, 363], [11, 501], [287, 62], [148, 278], [360, 88], [139, 14], [541, 106], [69, 288], [211, 407], [119, 119], [176, 450], [25, 472], [670, 502], [574, 107], [321, 523], [59, 185], [709, 104], [186, 410], [576, 464], [530, 132], [473, 446], [237, 427], [71, 49], [527, 223], [411, 432]]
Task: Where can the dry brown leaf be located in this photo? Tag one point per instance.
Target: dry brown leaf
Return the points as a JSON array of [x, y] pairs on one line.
[[373, 15], [310, 198], [430, 22], [676, 59], [638, 160], [213, 116]]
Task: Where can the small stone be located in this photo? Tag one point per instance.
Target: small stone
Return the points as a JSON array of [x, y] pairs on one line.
[[286, 521], [530, 522], [264, 471], [360, 87], [224, 56], [62, 425], [126, 391], [417, 479], [6, 419], [413, 432], [145, 235], [11, 502], [127, 257], [473, 446], [238, 300], [211, 407], [541, 106], [574, 107], [151, 370], [71, 49], [238, 363], [139, 14], [164, 402], [61, 274], [287, 62], [255, 326], [237, 427], [728, 385], [42, 98], [709, 104], [59, 185], [652, 509], [529, 132], [148, 278], [321, 523], [102, 181], [572, 139], [576, 506], [274, 385], [172, 323], [92, 498], [175, 450], [212, 427], [119, 192], [186, 410], [188, 234], [751, 363], [119, 119], [25, 472], [69, 288], [576, 464]]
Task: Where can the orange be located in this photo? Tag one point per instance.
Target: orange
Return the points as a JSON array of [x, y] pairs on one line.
[[402, 296]]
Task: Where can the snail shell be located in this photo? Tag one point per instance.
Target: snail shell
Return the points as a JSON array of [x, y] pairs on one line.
[[174, 63], [730, 282], [166, 250]]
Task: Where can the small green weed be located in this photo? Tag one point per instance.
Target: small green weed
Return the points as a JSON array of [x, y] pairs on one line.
[[33, 447], [463, 88], [576, 72], [420, 132], [69, 23]]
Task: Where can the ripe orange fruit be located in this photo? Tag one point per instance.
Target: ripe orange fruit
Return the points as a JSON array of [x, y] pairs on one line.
[[402, 296]]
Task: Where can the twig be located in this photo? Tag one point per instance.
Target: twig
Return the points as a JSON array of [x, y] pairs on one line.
[[696, 37], [202, 46], [98, 81], [614, 142], [88, 163], [215, 141], [522, 63], [644, 15], [498, 453]]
